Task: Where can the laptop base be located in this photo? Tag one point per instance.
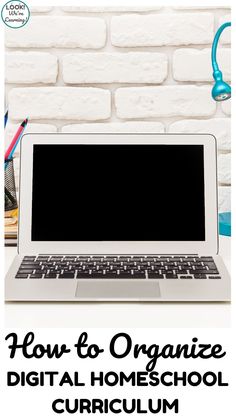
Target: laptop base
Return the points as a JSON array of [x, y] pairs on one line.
[[76, 290]]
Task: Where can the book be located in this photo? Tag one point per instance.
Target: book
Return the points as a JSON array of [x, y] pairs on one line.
[[10, 226]]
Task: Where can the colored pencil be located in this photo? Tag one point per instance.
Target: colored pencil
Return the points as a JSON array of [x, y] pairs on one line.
[[18, 140], [15, 140], [5, 119]]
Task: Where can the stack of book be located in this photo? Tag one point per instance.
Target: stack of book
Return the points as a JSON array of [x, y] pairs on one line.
[[10, 227]]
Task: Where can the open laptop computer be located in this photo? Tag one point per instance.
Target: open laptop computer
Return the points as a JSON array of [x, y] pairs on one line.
[[118, 217]]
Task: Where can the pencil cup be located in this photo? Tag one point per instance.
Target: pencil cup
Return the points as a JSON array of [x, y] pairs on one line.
[[10, 187]]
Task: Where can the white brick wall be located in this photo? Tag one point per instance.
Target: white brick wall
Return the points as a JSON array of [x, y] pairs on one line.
[[226, 107], [164, 101], [85, 103], [162, 29], [224, 198], [40, 9], [195, 65], [30, 67], [131, 69], [224, 169], [59, 31], [226, 35], [109, 9], [116, 127]]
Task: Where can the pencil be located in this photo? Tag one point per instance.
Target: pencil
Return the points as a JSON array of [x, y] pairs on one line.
[[18, 140], [15, 140], [5, 119]]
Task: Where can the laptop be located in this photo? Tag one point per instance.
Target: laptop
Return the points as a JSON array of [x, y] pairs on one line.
[[118, 217]]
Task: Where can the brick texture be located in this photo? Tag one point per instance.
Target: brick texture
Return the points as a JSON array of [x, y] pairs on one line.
[[195, 65], [59, 31], [108, 9], [116, 127], [41, 9], [60, 103], [224, 199], [226, 107], [162, 29], [137, 67], [224, 168], [226, 34], [198, 7], [164, 101], [30, 67]]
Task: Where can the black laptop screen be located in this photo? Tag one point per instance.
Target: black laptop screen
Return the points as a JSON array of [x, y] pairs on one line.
[[118, 193]]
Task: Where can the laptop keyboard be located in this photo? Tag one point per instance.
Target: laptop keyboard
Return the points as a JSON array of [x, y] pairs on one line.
[[117, 267]]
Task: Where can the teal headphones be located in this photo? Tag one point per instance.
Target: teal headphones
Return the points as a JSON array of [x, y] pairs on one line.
[[221, 90]]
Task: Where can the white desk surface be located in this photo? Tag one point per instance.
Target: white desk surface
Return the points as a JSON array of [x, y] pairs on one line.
[[104, 315]]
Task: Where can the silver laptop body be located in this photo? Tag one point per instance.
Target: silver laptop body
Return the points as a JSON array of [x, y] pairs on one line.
[[118, 217]]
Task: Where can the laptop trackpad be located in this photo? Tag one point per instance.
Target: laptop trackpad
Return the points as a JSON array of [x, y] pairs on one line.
[[107, 290]]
